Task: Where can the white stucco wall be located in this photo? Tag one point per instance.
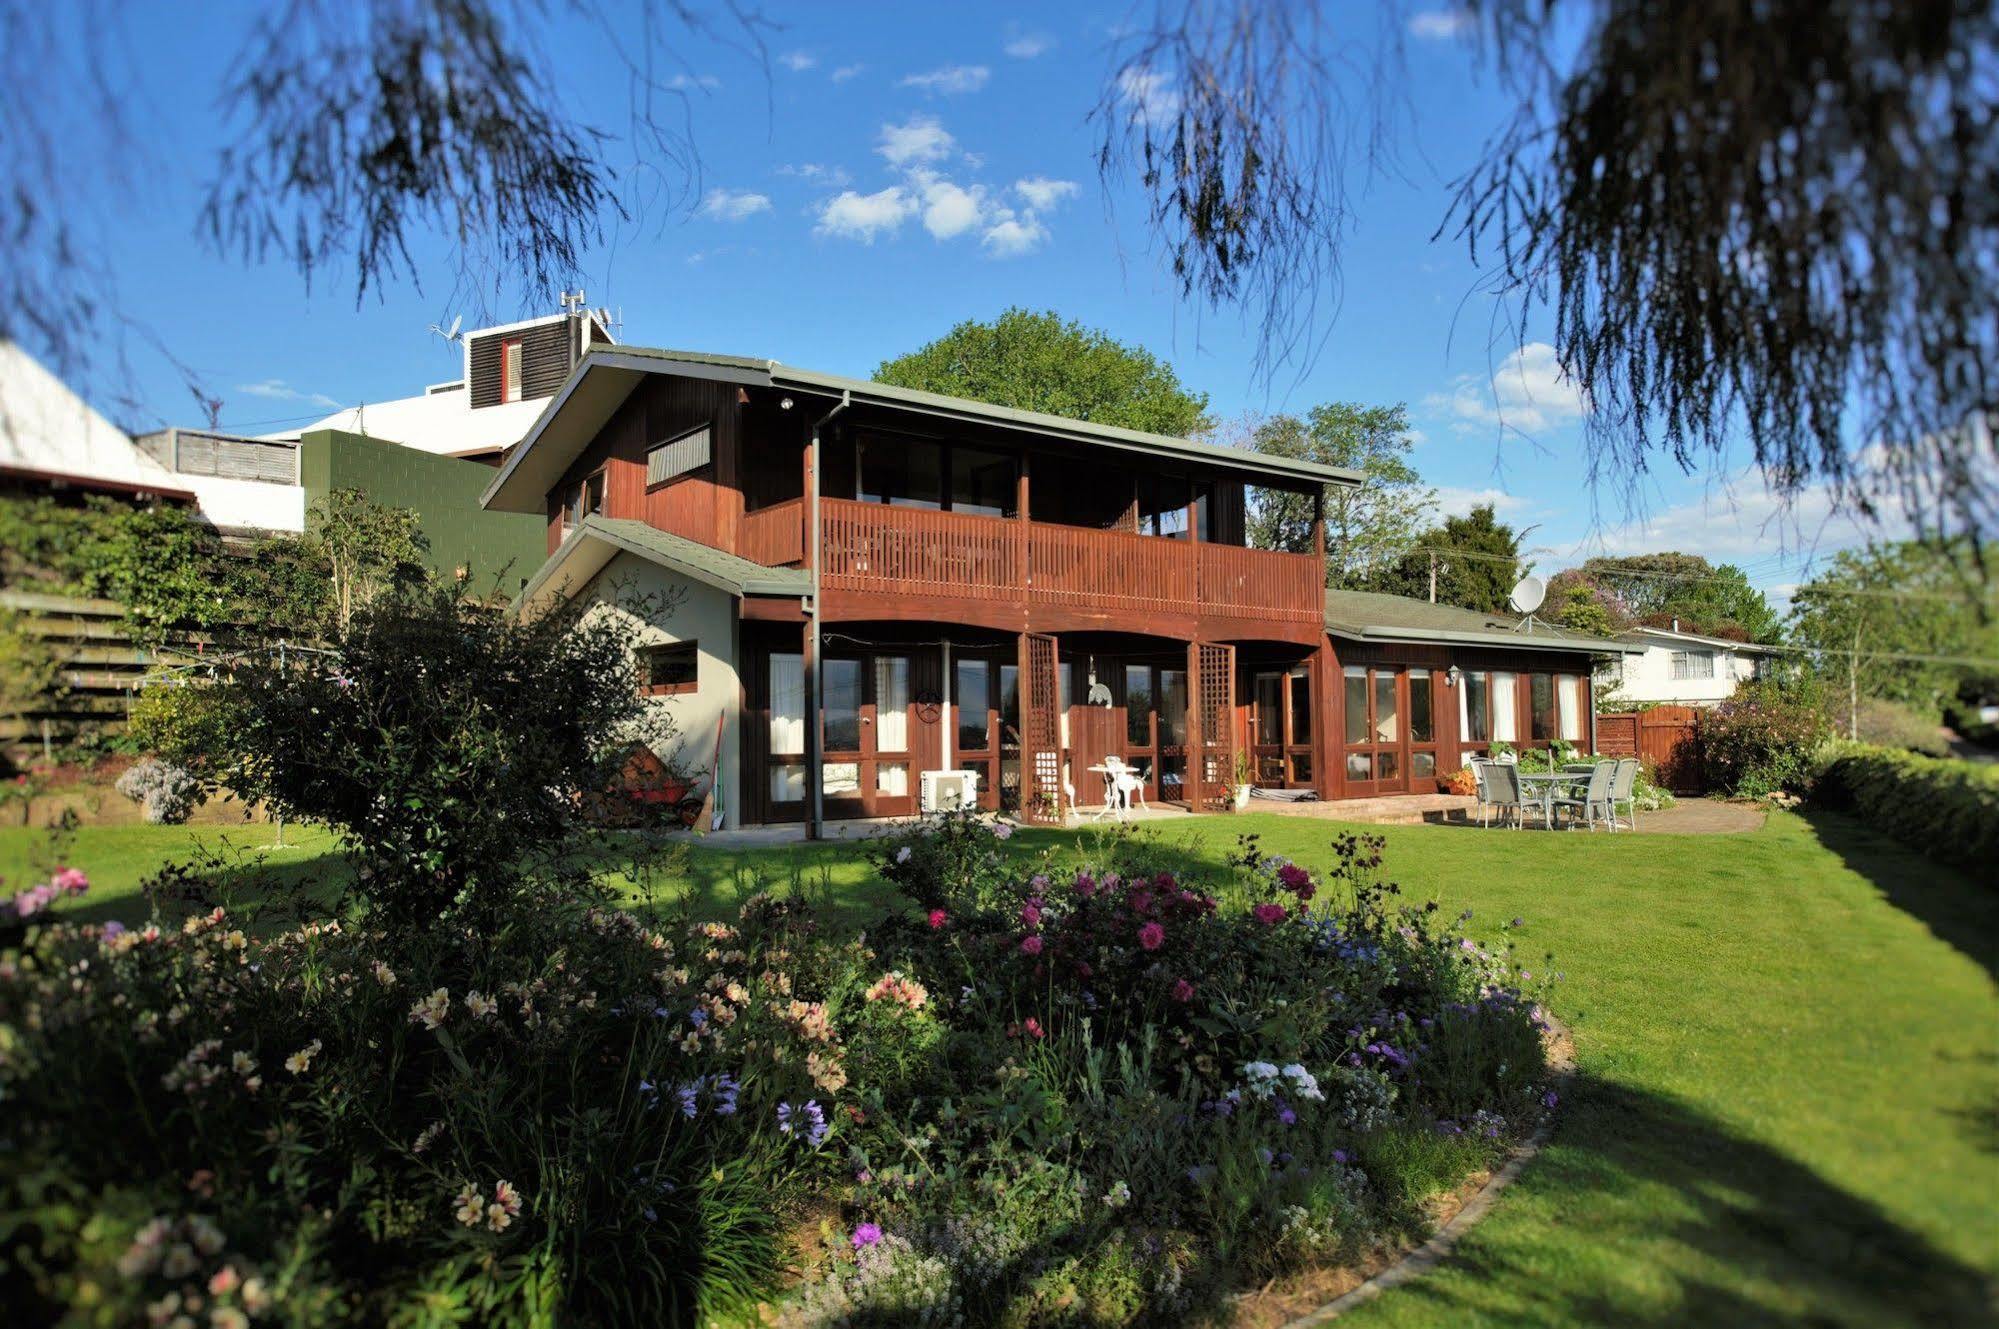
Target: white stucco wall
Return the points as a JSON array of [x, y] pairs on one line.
[[236, 505], [1649, 677], [708, 617]]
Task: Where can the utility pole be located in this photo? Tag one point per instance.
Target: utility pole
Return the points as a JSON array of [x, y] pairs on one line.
[[1433, 576]]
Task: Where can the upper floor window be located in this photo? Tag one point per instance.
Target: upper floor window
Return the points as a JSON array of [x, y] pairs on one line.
[[584, 498], [678, 456], [923, 473], [510, 369], [1693, 664], [1162, 506]]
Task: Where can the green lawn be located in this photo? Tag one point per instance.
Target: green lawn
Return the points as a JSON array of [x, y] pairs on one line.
[[1788, 1052]]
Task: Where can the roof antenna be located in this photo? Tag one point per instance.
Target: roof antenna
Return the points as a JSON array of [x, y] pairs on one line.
[[574, 301], [452, 333]]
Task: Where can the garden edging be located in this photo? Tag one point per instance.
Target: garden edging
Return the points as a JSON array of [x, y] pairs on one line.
[[1421, 1259]]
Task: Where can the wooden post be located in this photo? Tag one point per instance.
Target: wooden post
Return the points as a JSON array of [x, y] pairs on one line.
[[1196, 753], [1319, 523], [1023, 559], [809, 649]]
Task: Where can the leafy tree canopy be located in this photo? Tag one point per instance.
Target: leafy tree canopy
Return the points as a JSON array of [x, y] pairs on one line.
[[1714, 600], [1477, 560], [1366, 527], [1037, 362]]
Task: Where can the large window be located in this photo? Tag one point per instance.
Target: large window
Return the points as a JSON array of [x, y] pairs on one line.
[[972, 699], [1162, 506], [982, 482], [841, 705], [1138, 704], [1693, 664], [923, 473], [1541, 707]]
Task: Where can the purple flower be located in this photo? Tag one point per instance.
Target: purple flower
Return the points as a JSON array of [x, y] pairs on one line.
[[1548, 1100], [687, 1094], [698, 1018], [113, 930], [807, 1122], [1287, 1115], [866, 1234], [725, 1090]]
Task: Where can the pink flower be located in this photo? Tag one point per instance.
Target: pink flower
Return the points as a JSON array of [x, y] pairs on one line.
[[1086, 885], [1033, 1028], [867, 1234], [1152, 936], [1030, 945], [1183, 991], [1030, 915], [70, 881], [1141, 902], [1269, 914], [938, 918]]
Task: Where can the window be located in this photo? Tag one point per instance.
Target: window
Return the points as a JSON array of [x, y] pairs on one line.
[[1138, 703], [972, 698], [841, 706], [1162, 506], [1475, 703], [891, 707], [1693, 664], [904, 472], [1763, 668], [510, 369], [585, 497], [1541, 707], [1301, 711], [678, 456], [670, 670], [1422, 704], [983, 483], [1356, 710], [1172, 707]]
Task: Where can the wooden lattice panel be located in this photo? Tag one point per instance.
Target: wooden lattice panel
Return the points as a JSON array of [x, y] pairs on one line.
[[1040, 730]]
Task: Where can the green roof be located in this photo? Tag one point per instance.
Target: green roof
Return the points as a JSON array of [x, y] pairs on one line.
[[1372, 616], [604, 536], [552, 442]]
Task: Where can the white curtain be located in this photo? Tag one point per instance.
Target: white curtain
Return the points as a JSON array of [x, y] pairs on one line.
[[1505, 708], [892, 779], [787, 705], [1569, 697], [891, 704]]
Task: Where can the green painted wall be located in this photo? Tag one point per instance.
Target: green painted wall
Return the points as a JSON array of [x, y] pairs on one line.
[[444, 493]]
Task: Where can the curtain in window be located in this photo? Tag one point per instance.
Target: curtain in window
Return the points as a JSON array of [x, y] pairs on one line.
[[1569, 696], [1505, 708], [891, 704], [787, 705]]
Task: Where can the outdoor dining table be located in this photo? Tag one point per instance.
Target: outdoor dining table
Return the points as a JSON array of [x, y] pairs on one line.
[[1113, 800], [1545, 783]]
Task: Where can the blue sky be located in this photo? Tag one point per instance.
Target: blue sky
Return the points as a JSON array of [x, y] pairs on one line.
[[901, 168]]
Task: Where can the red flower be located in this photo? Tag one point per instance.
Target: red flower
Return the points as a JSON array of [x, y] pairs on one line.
[[1183, 991], [1269, 914], [1030, 915], [1033, 1028], [938, 918], [1030, 945], [1152, 936]]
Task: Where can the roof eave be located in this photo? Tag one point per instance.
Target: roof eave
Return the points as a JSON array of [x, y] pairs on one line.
[[1511, 640]]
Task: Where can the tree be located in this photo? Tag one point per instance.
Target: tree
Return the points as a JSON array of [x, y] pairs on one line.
[[1904, 622], [1580, 610], [1037, 362], [1366, 526], [365, 549], [1474, 559], [1774, 218], [1706, 598]]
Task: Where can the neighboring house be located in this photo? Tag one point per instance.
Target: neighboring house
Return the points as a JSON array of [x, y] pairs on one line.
[[875, 584], [1682, 668], [51, 441]]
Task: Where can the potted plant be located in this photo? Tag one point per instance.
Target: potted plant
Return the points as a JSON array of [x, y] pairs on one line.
[[1245, 774]]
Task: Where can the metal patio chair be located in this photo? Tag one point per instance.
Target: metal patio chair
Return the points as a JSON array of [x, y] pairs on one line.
[[1503, 792], [1623, 789], [1595, 798]]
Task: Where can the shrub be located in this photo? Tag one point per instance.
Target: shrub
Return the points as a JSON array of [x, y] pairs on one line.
[[446, 741], [1763, 739], [167, 794], [1891, 724], [1946, 809]]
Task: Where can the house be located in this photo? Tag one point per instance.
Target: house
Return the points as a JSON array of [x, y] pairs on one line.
[[876, 585], [1682, 668], [53, 442]]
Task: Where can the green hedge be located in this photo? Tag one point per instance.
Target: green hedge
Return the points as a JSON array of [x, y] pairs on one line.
[[1946, 809]]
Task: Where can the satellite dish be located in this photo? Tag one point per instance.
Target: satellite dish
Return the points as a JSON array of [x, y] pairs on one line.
[[451, 335], [1528, 593]]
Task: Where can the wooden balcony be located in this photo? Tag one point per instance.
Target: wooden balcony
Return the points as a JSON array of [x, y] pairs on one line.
[[895, 551]]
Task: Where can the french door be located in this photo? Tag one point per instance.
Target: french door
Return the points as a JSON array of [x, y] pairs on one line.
[[1281, 728], [1390, 730], [866, 767]]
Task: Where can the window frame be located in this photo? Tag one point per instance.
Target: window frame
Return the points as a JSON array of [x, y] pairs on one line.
[[510, 376], [649, 654]]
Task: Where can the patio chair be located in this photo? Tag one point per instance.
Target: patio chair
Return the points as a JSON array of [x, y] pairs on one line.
[[1478, 781], [1595, 797], [1131, 780], [1502, 791], [1623, 789]]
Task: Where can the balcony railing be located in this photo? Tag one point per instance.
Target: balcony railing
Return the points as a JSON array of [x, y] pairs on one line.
[[914, 551]]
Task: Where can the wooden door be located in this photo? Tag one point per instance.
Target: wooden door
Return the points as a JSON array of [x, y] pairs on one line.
[[1280, 728], [1211, 726], [868, 724], [1375, 733]]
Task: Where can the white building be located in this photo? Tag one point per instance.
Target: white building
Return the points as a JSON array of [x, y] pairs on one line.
[[1682, 668]]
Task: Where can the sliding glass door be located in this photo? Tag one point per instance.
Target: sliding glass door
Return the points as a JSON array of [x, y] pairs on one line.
[[1388, 730]]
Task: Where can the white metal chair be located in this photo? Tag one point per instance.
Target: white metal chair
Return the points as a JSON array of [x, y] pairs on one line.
[[1131, 780], [1595, 798]]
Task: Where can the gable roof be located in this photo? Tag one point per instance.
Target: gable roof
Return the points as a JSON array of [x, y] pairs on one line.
[[1373, 616], [597, 540], [50, 433], [1639, 635], [607, 375]]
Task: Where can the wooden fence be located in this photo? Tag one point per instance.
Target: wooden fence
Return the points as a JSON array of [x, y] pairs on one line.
[[1666, 738]]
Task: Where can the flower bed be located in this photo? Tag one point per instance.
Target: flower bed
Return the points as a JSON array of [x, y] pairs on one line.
[[1097, 1092]]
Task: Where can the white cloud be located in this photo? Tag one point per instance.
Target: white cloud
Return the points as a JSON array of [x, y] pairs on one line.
[[845, 72], [1028, 45], [276, 389], [1012, 236], [689, 82], [1453, 501], [733, 204], [1527, 393], [1436, 25], [950, 209], [798, 61], [1147, 95], [1740, 517], [950, 80], [818, 173], [920, 140], [1039, 192], [854, 216]]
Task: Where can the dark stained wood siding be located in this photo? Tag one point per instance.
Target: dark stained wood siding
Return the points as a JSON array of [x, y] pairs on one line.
[[548, 353], [705, 504]]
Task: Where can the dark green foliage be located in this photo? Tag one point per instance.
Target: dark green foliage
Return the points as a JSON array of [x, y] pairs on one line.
[[1477, 561], [1764, 738], [1709, 599], [1037, 362], [1946, 809], [444, 740]]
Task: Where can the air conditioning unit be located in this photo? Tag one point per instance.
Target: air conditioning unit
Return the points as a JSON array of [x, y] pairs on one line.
[[946, 791]]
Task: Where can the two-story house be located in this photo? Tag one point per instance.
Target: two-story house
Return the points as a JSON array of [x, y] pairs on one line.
[[875, 583]]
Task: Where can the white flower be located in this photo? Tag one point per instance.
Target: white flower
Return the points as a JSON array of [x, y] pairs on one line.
[[430, 1012], [299, 1062], [902, 854], [482, 1007]]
